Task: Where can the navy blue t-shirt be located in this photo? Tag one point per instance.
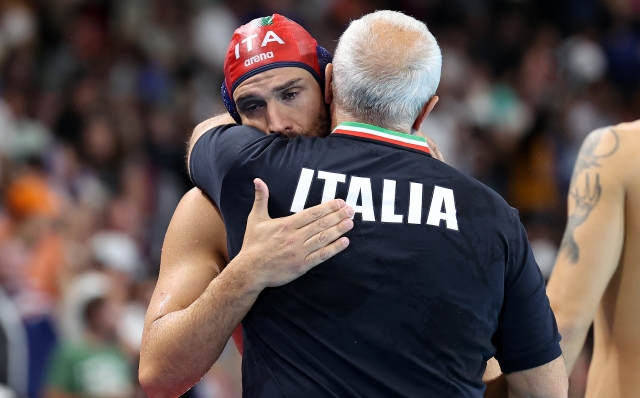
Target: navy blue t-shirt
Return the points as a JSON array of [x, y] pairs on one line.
[[438, 278]]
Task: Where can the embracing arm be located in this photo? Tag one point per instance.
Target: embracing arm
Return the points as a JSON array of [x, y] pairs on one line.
[[592, 241], [180, 344], [193, 254]]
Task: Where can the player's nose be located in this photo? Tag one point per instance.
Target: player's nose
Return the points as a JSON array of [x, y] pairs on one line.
[[278, 120]]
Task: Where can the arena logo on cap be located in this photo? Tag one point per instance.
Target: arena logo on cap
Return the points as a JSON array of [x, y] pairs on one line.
[[268, 38], [258, 58]]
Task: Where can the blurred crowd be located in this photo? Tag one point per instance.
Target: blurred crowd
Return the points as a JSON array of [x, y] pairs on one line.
[[98, 97]]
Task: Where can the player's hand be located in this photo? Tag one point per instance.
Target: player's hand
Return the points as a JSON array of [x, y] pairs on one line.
[[434, 148], [280, 250]]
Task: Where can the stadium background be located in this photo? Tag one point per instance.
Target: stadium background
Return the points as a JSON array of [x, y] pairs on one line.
[[98, 97]]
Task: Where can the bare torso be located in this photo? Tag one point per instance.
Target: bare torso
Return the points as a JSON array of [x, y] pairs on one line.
[[615, 365]]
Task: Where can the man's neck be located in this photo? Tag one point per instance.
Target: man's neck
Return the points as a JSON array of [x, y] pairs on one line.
[[339, 116]]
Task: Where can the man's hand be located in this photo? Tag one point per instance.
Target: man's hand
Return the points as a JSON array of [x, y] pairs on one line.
[[282, 249]]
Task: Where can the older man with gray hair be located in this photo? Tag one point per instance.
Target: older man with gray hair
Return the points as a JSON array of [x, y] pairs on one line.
[[439, 276]]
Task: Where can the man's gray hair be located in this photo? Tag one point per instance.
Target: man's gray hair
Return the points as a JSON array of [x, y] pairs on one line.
[[386, 67]]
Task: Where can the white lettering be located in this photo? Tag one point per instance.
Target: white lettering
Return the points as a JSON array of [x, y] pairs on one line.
[[302, 190], [331, 181], [237, 50], [443, 206], [389, 203], [443, 196], [415, 204], [269, 37], [249, 41], [258, 58], [360, 186]]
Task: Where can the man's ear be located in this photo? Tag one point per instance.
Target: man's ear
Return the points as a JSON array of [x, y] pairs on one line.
[[328, 87], [426, 109]]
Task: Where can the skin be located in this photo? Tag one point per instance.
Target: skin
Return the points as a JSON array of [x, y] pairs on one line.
[[596, 276], [283, 100]]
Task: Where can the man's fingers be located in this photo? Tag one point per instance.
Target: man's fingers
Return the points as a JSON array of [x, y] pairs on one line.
[[314, 213], [326, 222], [260, 203], [326, 252], [327, 236]]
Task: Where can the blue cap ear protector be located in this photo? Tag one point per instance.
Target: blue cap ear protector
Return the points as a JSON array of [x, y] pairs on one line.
[[324, 58]]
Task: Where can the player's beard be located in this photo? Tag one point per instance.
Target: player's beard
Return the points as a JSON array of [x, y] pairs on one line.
[[321, 126]]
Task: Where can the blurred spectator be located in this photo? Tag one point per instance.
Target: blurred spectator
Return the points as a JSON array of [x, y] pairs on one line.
[[30, 247], [94, 366], [13, 350]]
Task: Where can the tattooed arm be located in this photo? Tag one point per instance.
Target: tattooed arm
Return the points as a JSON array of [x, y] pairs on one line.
[[592, 241]]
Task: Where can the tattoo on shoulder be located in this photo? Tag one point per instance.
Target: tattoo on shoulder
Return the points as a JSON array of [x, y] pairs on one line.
[[585, 187]]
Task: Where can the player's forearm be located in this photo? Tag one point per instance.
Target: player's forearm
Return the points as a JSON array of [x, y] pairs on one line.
[[180, 347], [573, 335], [573, 319]]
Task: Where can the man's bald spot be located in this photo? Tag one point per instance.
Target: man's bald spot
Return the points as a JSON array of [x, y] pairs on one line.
[[394, 48]]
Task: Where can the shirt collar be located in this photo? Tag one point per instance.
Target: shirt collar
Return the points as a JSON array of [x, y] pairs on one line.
[[379, 134]]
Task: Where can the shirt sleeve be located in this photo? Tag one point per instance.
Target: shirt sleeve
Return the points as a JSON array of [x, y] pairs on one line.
[[215, 152], [527, 334]]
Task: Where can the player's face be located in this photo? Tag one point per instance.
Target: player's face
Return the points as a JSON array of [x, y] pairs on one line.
[[283, 100]]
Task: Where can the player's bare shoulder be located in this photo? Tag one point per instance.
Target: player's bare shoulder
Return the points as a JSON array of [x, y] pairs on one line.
[[630, 134], [623, 140], [629, 163], [613, 151]]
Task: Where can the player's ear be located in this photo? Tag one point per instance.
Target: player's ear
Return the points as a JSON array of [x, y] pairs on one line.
[[426, 109], [328, 87]]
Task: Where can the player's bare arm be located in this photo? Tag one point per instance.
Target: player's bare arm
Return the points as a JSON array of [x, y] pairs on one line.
[[593, 239], [546, 381], [274, 253], [495, 381], [194, 253]]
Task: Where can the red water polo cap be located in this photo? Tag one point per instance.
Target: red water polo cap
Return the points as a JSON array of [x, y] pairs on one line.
[[268, 43]]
